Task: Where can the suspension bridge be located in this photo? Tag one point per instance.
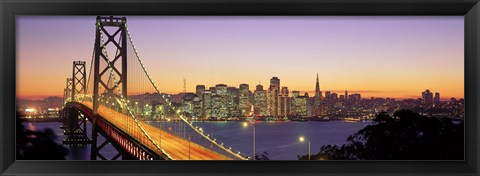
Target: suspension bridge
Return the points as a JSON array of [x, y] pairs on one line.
[[121, 106]]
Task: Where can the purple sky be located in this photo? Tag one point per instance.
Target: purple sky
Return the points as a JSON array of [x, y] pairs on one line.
[[378, 56]]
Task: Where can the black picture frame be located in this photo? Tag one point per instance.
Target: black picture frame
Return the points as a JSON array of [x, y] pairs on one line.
[[9, 9]]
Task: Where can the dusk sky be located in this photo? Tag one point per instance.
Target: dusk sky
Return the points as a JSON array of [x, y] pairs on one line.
[[396, 57]]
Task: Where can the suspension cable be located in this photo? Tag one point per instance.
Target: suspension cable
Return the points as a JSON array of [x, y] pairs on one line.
[[190, 124], [122, 99]]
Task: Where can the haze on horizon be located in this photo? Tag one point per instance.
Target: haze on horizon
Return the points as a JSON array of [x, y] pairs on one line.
[[397, 57]]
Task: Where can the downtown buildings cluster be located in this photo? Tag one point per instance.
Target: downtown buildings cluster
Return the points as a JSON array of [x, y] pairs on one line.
[[222, 102], [275, 102]]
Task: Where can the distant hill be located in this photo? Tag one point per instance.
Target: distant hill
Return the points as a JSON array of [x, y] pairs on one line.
[[57, 102], [150, 97], [49, 102], [178, 98]]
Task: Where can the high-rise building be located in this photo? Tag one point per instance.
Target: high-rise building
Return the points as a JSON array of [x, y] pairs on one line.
[[220, 101], [309, 105], [436, 99], [295, 93], [259, 87], [453, 100], [200, 89], [260, 101], [187, 105], [284, 102], [273, 94], [207, 103], [221, 89], [197, 106], [274, 81], [316, 101], [318, 93], [334, 96], [346, 95], [427, 97], [244, 100], [299, 104], [285, 91], [218, 110], [355, 97], [233, 102], [212, 89], [327, 94]]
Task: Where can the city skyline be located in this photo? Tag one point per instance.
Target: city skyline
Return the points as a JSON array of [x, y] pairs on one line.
[[311, 93], [428, 53]]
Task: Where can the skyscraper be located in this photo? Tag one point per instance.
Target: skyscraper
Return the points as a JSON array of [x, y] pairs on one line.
[[200, 89], [198, 102], [244, 102], [327, 94], [453, 100], [232, 102], [299, 104], [207, 103], [346, 95], [219, 101], [284, 102], [355, 97], [316, 104], [427, 97], [197, 106], [334, 96], [275, 82], [318, 93], [273, 93], [221, 89], [260, 101], [436, 99]]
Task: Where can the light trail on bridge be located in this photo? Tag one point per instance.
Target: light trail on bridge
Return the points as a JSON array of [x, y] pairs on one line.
[[178, 148]]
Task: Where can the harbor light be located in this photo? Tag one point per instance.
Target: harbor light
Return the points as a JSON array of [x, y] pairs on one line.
[[30, 110]]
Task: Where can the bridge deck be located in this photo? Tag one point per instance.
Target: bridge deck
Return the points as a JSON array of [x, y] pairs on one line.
[[178, 148]]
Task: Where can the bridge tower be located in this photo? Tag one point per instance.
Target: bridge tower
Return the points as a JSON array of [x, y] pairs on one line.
[[79, 79], [66, 98], [110, 63], [76, 122], [119, 26], [68, 91]]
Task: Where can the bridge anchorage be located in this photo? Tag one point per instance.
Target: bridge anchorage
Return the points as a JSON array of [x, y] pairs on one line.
[[144, 124]]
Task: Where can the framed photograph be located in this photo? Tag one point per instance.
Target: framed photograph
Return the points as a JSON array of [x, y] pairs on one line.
[[251, 87]]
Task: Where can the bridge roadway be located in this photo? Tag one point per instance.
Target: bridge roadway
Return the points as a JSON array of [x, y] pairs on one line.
[[178, 148]]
